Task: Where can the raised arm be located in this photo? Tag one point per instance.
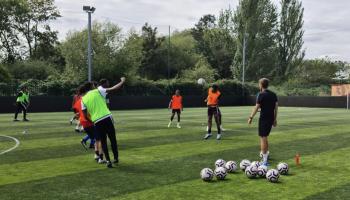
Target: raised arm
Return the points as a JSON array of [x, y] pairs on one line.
[[117, 86]]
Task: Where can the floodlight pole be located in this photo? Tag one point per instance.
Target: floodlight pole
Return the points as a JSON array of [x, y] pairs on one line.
[[89, 10], [168, 60], [243, 57], [89, 49]]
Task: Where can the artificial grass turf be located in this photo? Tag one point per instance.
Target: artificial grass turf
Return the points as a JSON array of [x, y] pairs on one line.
[[162, 163]]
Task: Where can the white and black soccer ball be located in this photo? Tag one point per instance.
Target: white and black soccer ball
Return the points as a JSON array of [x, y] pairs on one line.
[[220, 173], [256, 164], [273, 175], [207, 174], [244, 164], [220, 163], [231, 166], [251, 171], [262, 170], [283, 168], [201, 81]]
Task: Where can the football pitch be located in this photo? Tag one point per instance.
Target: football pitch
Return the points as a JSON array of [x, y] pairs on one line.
[[157, 162]]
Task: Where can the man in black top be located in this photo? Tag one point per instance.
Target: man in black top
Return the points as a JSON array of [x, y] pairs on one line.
[[268, 103]]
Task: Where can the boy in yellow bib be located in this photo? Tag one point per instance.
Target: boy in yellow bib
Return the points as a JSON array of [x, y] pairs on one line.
[[95, 108]]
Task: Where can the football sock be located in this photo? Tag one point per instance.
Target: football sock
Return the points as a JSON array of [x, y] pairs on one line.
[[265, 157], [86, 138]]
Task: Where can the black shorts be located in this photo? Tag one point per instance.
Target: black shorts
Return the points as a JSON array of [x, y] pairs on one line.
[[103, 127], [265, 127], [90, 131], [178, 111], [213, 111]]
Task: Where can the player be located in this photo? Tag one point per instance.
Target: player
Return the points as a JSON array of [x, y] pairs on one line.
[[175, 105], [89, 127], [212, 102], [267, 102], [95, 108], [76, 97], [22, 103], [219, 115]]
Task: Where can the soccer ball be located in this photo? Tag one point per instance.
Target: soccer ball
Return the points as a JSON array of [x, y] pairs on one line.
[[220, 173], [251, 171], [272, 175], [220, 163], [262, 170], [244, 164], [201, 81], [283, 168], [231, 166], [207, 174], [256, 164]]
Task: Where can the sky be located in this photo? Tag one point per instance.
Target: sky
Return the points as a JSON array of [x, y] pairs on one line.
[[327, 24]]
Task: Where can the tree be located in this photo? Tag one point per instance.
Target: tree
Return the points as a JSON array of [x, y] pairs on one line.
[[318, 72], [202, 69], [256, 22], [108, 61], [4, 74], [27, 20], [151, 68], [33, 20], [215, 40], [290, 37], [10, 44]]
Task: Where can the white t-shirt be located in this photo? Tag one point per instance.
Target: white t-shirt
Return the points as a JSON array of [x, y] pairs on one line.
[[103, 91]]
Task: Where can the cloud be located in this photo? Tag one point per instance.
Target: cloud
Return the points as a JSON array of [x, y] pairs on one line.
[[326, 22]]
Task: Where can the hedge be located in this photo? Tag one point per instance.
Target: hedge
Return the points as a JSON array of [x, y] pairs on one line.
[[137, 88]]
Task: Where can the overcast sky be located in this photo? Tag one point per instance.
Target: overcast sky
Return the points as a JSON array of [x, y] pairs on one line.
[[327, 26]]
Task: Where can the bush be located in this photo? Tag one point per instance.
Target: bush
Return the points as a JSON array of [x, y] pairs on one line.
[[140, 87], [33, 69], [167, 87], [4, 74]]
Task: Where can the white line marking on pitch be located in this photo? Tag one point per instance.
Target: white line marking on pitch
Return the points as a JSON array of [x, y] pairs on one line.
[[12, 148]]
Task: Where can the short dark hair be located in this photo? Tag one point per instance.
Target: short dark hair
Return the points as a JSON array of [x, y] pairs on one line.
[[215, 88], [264, 82], [86, 87], [103, 81]]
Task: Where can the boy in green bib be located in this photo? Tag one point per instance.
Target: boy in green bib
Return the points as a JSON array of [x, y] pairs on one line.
[[22, 103], [95, 108]]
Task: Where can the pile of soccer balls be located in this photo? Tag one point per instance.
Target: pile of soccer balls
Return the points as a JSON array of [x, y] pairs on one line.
[[251, 169]]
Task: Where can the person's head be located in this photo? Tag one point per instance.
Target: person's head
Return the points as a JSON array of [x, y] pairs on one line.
[[177, 92], [104, 83], [24, 89], [81, 90], [264, 83], [88, 86], [214, 88], [95, 84]]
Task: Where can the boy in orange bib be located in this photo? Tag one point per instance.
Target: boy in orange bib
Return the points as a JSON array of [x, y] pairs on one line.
[[176, 106], [213, 110]]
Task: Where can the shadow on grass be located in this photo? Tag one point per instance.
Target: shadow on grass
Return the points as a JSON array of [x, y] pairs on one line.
[[341, 192], [132, 178]]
